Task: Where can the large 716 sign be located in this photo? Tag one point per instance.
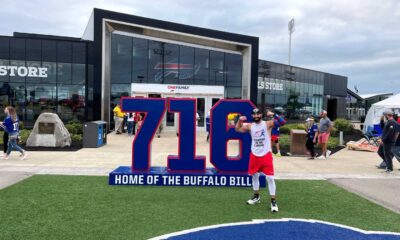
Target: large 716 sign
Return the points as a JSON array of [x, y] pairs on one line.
[[183, 168]]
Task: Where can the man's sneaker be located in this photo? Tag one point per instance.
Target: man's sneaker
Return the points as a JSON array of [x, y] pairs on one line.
[[274, 206], [254, 200], [328, 153], [388, 171], [278, 154], [321, 157]]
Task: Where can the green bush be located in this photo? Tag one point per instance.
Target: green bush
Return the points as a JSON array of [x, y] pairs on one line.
[[21, 125], [74, 121], [286, 128], [343, 125], [333, 142], [74, 128], [24, 134], [76, 137]]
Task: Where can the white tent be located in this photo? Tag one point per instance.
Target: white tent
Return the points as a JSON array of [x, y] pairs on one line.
[[375, 112]]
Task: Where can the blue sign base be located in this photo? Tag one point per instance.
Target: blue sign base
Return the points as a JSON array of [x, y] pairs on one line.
[[160, 176]]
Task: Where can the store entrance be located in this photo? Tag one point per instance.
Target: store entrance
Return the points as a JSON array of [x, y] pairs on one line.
[[206, 97]]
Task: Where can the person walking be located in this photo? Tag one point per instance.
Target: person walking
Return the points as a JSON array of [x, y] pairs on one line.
[[311, 129], [261, 160], [324, 130], [208, 125], [11, 126], [130, 123], [381, 152], [118, 119], [389, 137]]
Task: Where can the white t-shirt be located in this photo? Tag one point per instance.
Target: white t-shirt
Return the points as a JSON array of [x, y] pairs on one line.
[[260, 139], [130, 119]]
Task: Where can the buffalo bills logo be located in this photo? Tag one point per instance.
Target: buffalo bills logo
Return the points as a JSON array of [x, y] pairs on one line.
[[260, 133], [285, 229], [175, 70]]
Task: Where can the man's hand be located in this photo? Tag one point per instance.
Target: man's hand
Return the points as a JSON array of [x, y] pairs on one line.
[[270, 114], [242, 118]]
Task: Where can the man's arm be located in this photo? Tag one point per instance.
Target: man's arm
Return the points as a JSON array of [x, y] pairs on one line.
[[240, 127], [278, 121]]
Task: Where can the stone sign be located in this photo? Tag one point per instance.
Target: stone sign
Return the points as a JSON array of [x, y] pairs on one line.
[[49, 131]]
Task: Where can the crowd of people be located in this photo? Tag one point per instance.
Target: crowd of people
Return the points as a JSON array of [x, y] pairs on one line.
[[129, 121], [389, 144]]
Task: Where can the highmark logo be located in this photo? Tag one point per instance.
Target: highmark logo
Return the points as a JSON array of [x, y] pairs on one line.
[[283, 229], [22, 71]]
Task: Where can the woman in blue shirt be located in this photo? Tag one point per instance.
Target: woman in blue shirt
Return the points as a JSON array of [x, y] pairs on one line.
[[312, 132], [11, 126]]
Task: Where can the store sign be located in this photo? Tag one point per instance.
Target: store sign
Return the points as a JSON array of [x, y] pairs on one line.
[[13, 71], [187, 168], [173, 88], [270, 86]]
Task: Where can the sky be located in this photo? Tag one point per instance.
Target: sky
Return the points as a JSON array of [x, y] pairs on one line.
[[359, 39]]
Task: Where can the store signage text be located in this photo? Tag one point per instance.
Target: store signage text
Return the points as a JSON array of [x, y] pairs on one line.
[[270, 86], [21, 71]]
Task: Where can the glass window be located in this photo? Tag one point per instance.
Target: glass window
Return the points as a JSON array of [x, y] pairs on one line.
[[5, 95], [4, 48], [4, 62], [78, 73], [34, 64], [202, 61], [17, 48], [64, 73], [233, 68], [171, 63], [121, 59], [139, 60], [233, 92], [51, 72], [217, 74], [17, 98], [40, 98], [119, 90], [156, 54], [64, 52], [33, 50], [49, 51], [71, 102], [13, 74], [187, 68], [79, 52]]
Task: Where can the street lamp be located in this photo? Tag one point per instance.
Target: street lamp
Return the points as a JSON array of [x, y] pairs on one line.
[[291, 30]]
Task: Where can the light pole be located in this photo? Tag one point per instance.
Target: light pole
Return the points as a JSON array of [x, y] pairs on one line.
[[291, 30]]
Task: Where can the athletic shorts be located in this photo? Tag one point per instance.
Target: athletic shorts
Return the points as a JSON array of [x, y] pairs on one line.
[[275, 138], [323, 137], [261, 164]]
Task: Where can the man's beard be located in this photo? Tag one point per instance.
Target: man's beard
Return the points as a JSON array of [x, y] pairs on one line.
[[256, 119]]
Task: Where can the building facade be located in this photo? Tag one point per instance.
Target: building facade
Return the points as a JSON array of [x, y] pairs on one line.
[[124, 55]]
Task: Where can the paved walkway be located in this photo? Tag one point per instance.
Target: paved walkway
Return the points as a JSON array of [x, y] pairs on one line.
[[344, 164]]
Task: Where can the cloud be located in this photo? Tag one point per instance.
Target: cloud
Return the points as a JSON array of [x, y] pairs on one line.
[[344, 37]]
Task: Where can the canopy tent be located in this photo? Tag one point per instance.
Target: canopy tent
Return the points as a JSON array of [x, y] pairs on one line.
[[375, 112]]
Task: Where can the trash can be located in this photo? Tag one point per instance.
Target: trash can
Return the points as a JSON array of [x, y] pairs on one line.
[[94, 134]]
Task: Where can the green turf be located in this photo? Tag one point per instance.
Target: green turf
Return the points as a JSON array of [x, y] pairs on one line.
[[66, 207]]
